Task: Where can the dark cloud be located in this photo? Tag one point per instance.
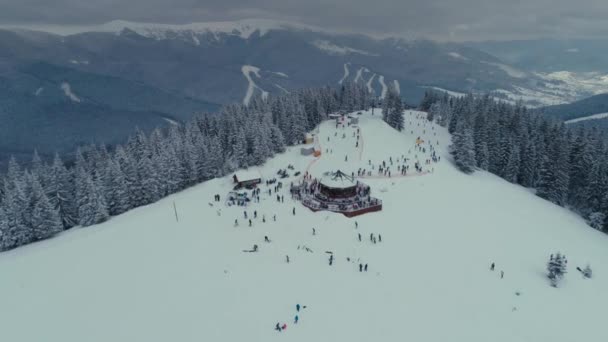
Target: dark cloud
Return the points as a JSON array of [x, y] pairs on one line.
[[438, 19]]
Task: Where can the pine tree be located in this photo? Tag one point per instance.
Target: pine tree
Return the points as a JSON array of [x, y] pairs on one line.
[[92, 207], [45, 219], [60, 191], [556, 268], [463, 149], [4, 232]]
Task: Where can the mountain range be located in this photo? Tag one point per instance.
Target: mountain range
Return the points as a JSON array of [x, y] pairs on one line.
[[64, 87]]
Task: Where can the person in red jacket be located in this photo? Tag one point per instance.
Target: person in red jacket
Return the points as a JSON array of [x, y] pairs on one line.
[[284, 326]]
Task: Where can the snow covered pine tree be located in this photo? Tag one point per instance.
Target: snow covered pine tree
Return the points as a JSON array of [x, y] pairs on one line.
[[556, 268]]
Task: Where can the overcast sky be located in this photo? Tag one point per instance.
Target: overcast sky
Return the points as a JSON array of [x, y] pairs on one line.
[[435, 19]]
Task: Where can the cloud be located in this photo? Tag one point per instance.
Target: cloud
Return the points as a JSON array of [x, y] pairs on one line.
[[436, 19]]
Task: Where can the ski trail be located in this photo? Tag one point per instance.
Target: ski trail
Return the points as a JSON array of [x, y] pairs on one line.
[[359, 74], [384, 88], [346, 73], [251, 87], [283, 89], [397, 87], [369, 83], [67, 90]]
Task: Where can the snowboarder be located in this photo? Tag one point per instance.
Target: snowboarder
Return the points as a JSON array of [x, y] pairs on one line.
[[492, 267], [502, 274], [365, 268], [298, 307], [295, 320]]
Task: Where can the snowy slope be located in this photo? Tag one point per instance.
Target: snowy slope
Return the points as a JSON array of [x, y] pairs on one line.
[[590, 117], [145, 277], [251, 85]]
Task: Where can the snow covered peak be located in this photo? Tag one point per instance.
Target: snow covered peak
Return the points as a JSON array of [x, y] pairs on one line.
[[242, 28]]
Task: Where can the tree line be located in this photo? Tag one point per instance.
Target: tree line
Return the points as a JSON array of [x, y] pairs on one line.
[[568, 167], [48, 197]]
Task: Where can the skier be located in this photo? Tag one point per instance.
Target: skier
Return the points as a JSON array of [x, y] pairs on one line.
[[359, 237], [263, 218], [295, 320], [274, 218], [245, 214], [294, 211], [266, 238], [314, 232], [255, 214], [492, 267], [379, 238], [284, 326], [249, 222], [277, 327], [356, 224], [371, 237], [502, 274], [298, 307], [331, 260], [365, 268], [360, 267], [236, 222], [287, 258]]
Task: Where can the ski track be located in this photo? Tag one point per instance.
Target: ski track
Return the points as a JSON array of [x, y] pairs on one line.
[[590, 117], [346, 73], [67, 90], [252, 86], [359, 72], [283, 89], [384, 87], [397, 87], [369, 84]]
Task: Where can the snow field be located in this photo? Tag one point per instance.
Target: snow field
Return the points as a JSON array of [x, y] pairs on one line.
[[142, 276]]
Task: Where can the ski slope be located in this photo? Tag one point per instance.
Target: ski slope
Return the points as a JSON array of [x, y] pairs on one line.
[[590, 117], [143, 276]]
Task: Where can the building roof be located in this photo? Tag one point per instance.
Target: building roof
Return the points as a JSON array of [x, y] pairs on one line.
[[338, 179], [246, 175]]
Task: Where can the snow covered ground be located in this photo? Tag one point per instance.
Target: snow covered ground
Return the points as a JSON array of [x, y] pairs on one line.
[[251, 85], [346, 73], [590, 117], [142, 276]]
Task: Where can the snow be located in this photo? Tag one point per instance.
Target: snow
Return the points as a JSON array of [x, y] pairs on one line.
[[333, 49], [450, 92], [252, 86], [77, 62], [346, 73], [282, 74], [142, 276], [590, 117], [67, 90], [39, 91], [195, 40], [572, 50], [511, 71], [359, 72], [283, 89], [369, 84], [171, 121], [245, 175], [397, 86], [456, 55], [384, 87]]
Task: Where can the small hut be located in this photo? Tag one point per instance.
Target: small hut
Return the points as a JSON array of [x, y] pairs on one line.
[[246, 178], [307, 150], [309, 139]]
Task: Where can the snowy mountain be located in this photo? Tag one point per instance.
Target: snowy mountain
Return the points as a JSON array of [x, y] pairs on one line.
[[177, 270], [144, 74]]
